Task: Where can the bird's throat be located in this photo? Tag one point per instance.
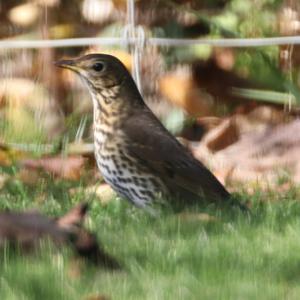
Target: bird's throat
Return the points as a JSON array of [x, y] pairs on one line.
[[109, 116]]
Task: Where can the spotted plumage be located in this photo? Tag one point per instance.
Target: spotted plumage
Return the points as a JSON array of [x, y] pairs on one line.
[[136, 155]]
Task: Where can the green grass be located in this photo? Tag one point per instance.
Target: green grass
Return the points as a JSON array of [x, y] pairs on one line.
[[168, 257]]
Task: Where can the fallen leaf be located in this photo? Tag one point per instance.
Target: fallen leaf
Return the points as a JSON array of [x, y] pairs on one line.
[[30, 177], [222, 136], [95, 11], [70, 167], [225, 58], [9, 155], [24, 14], [75, 268], [186, 94], [202, 217], [5, 159], [103, 191], [27, 229], [96, 297], [259, 157], [74, 217], [32, 110], [3, 179]]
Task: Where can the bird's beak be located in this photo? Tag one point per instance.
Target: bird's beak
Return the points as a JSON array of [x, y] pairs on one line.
[[68, 64]]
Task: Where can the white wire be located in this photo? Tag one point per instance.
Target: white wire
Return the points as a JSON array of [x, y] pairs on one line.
[[137, 55], [130, 12], [136, 69], [167, 42], [248, 42], [17, 44], [136, 35]]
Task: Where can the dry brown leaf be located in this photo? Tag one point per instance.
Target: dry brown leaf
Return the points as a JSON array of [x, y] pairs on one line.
[[259, 157], [225, 58], [74, 217], [30, 177], [75, 268], [69, 168], [8, 155], [48, 3], [3, 179], [5, 159], [259, 118], [96, 297], [181, 91], [30, 110], [27, 229], [202, 217], [24, 14], [267, 114], [209, 122], [95, 11], [32, 94], [222, 136], [103, 191]]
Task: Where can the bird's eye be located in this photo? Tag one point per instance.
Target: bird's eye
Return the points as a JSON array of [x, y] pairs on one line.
[[98, 67]]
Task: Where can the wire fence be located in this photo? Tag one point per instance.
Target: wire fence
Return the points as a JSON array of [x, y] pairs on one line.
[[164, 42], [134, 39]]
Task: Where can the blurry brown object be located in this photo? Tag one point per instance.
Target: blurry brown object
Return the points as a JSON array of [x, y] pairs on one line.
[[222, 136], [70, 167], [196, 129], [97, 11], [217, 79], [180, 89], [103, 191], [25, 14], [25, 230], [3, 179], [97, 297], [209, 122], [248, 117], [22, 100], [196, 217], [262, 152], [5, 158], [48, 3], [224, 57], [8, 155], [32, 94], [28, 176]]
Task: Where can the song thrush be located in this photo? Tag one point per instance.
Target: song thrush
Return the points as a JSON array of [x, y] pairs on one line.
[[136, 155]]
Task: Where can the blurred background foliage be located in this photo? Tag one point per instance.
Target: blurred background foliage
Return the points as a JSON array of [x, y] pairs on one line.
[[192, 89], [236, 109]]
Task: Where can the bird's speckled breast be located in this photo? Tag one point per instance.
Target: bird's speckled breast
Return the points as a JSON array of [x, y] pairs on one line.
[[127, 176], [123, 174]]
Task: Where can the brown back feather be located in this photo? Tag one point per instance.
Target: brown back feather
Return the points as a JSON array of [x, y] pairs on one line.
[[163, 154]]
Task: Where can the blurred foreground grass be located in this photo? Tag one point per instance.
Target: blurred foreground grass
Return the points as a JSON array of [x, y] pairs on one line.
[[230, 256]]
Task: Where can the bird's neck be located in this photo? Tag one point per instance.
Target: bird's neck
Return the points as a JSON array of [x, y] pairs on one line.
[[113, 104], [109, 115], [112, 107], [108, 109]]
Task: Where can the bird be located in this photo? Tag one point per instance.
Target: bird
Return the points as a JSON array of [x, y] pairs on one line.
[[135, 153]]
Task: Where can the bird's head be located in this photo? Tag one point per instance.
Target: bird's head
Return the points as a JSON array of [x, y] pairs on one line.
[[99, 71], [108, 80]]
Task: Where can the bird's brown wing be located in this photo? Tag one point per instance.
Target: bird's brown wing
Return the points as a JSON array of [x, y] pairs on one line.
[[164, 155]]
